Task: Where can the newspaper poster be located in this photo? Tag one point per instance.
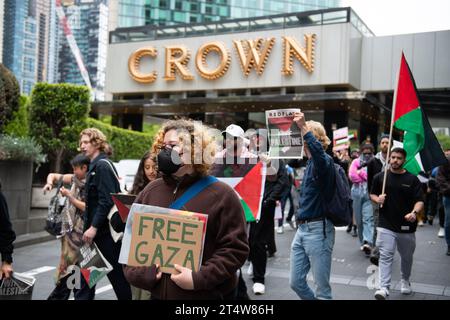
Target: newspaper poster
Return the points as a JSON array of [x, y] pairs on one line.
[[93, 264], [285, 138], [18, 287], [155, 235]]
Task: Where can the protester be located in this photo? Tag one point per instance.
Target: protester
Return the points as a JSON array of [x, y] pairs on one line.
[[362, 207], [72, 229], [313, 243], [7, 237], [287, 196], [236, 155], [101, 181], [146, 173], [226, 246], [399, 205], [374, 166], [443, 181], [262, 235]]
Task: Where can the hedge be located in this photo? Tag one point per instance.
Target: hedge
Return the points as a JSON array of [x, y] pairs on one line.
[[127, 144]]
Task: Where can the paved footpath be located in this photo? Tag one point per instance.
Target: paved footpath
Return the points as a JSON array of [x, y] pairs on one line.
[[351, 270]]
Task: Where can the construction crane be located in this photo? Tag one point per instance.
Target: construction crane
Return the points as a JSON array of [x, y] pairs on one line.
[[72, 43]]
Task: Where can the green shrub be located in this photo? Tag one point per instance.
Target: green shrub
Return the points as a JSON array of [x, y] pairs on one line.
[[127, 144], [20, 149], [444, 140], [58, 113], [19, 125], [9, 96]]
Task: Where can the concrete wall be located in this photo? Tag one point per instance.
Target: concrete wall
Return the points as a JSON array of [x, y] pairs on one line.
[[16, 179], [427, 55]]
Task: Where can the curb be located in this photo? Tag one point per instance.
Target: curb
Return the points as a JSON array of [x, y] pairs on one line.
[[32, 238]]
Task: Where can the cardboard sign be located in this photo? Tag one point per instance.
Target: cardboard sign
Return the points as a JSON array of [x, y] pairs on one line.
[[341, 139], [285, 137], [166, 239]]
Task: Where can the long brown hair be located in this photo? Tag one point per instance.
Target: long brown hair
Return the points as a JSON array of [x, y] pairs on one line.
[[141, 180]]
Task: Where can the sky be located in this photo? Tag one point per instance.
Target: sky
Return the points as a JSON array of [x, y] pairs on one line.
[[388, 17]]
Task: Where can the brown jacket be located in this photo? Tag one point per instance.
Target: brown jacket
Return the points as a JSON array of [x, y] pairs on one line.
[[226, 245]]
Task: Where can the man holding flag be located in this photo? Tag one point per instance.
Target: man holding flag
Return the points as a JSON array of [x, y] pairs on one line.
[[399, 195], [397, 221]]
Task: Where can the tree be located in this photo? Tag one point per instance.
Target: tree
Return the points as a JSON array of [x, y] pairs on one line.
[[9, 96], [58, 113], [19, 125]]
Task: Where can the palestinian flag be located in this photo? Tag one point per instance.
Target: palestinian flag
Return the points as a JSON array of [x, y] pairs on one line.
[[247, 179], [423, 149], [93, 264], [123, 203]]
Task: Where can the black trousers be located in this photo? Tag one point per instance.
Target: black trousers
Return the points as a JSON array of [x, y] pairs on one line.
[[286, 198], [111, 251], [62, 292], [261, 235]]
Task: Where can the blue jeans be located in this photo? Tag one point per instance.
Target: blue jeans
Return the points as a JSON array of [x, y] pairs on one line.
[[446, 200], [311, 250], [363, 210]]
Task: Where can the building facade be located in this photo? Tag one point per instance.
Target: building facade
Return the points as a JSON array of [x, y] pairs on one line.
[[88, 21], [326, 62], [132, 13], [2, 10], [20, 41]]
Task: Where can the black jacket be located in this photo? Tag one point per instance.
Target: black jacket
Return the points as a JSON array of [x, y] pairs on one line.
[[374, 166], [276, 184], [443, 179], [100, 183], [7, 235]]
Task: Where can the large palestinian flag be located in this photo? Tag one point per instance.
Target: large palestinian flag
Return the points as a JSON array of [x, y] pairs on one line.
[[423, 149], [247, 179]]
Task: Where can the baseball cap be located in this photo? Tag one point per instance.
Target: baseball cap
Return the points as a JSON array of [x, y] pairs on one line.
[[235, 131]]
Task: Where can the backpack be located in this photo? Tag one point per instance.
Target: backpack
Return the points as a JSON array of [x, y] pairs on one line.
[[53, 223], [339, 209]]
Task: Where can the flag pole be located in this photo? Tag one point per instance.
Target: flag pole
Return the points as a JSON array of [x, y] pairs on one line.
[[394, 103]]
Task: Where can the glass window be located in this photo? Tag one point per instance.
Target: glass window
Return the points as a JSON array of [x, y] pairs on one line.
[[30, 27], [29, 45], [28, 64], [178, 5], [179, 17], [223, 11], [194, 7]]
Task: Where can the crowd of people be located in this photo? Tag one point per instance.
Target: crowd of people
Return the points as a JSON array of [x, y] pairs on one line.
[[384, 218]]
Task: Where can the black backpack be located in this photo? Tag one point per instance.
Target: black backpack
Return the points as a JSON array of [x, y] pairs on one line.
[[338, 209], [53, 223]]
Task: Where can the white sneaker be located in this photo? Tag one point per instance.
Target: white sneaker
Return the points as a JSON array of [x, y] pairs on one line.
[[405, 287], [441, 233], [250, 270], [280, 230], [259, 288], [382, 294], [420, 223]]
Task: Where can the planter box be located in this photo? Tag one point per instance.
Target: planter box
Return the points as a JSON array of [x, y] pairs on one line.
[[16, 179]]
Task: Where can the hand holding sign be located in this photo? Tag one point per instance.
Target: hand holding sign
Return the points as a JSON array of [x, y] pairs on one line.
[[184, 278], [299, 119]]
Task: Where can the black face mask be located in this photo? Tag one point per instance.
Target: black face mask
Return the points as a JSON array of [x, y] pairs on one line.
[[165, 163]]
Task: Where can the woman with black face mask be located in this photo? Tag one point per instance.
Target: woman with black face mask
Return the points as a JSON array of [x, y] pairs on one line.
[[185, 153], [362, 206]]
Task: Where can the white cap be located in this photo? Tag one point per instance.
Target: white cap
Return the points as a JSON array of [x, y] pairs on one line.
[[236, 131]]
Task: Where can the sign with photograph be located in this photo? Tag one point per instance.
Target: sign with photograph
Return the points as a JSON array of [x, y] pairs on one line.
[[285, 137]]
